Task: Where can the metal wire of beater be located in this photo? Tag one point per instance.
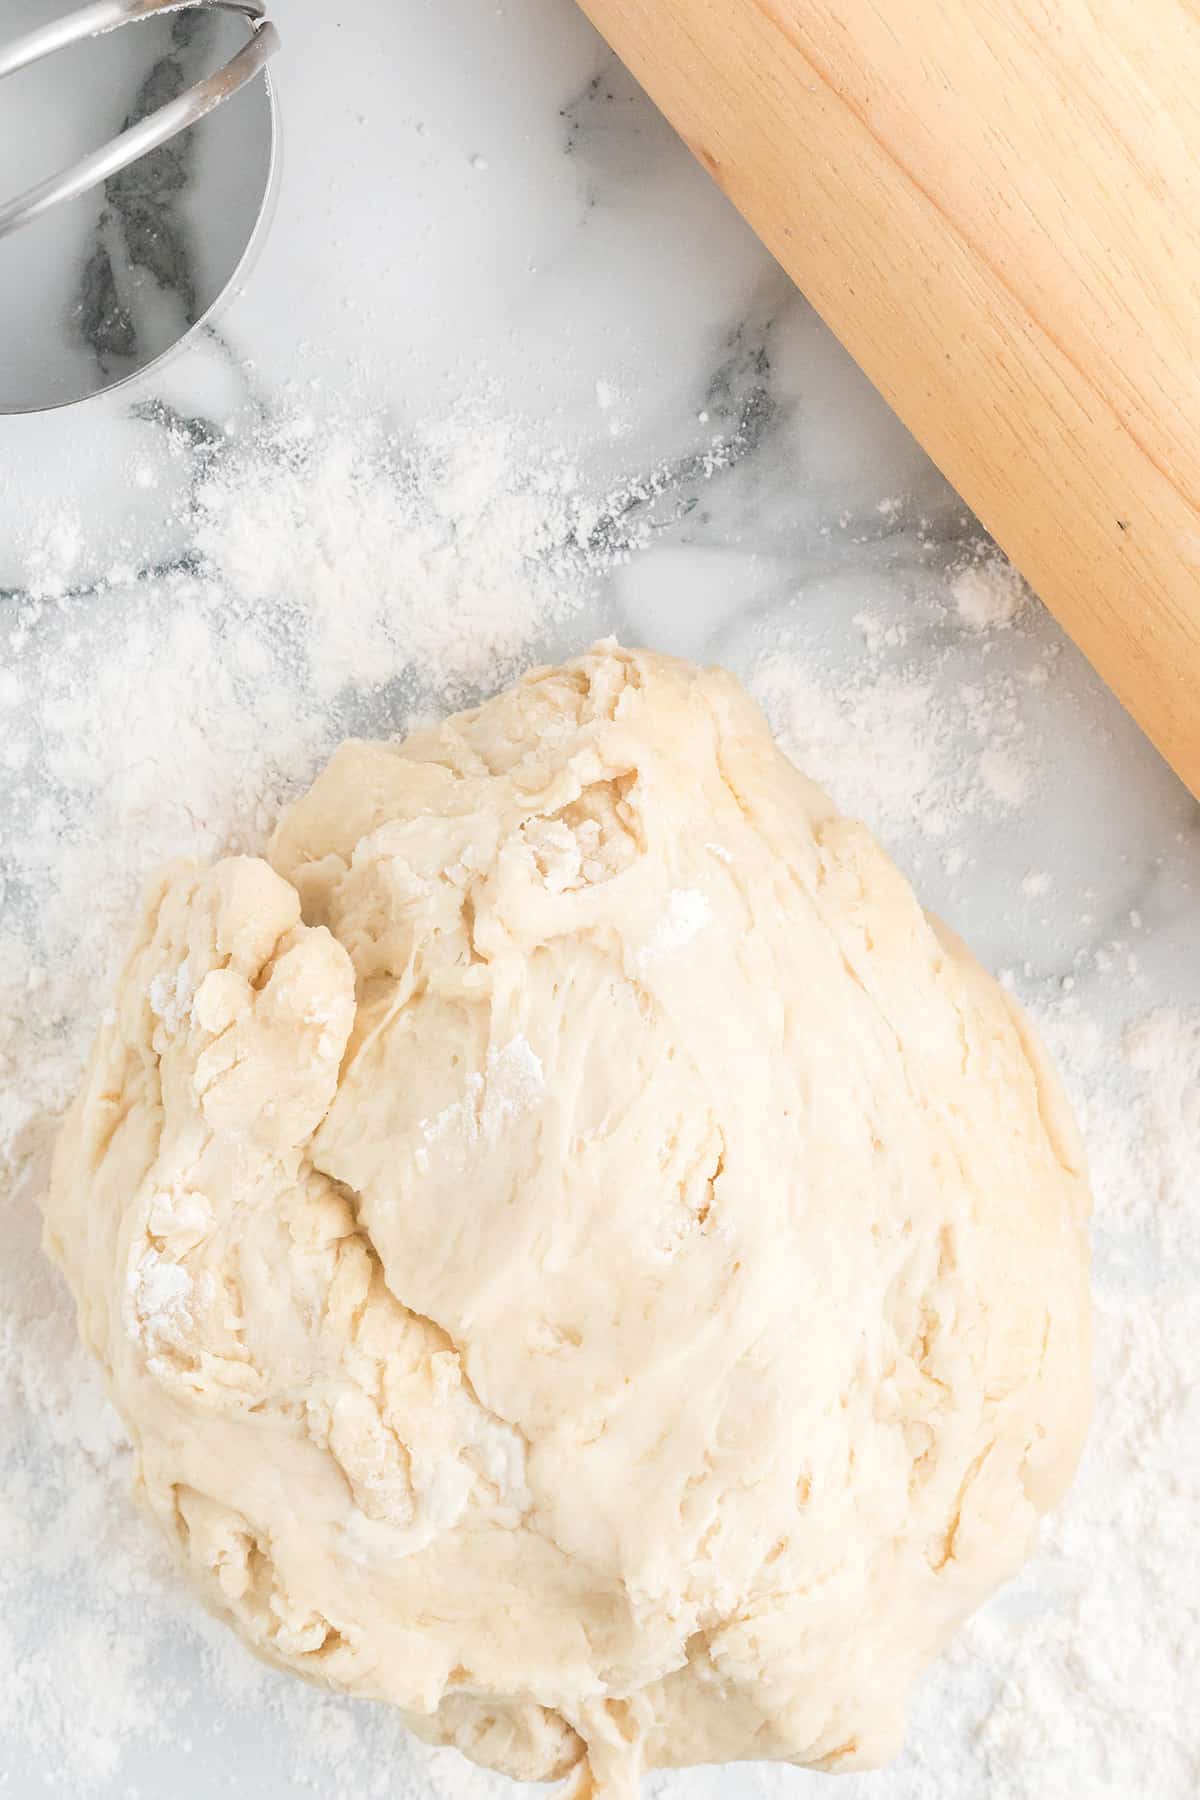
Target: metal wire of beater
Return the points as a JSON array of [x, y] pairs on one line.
[[159, 127]]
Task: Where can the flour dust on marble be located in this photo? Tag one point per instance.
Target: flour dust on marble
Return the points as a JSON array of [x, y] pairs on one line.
[[334, 577]]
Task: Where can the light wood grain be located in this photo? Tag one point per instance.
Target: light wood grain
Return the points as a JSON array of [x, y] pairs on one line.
[[995, 204]]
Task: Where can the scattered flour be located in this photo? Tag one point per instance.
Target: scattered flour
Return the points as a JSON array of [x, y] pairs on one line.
[[988, 592], [1003, 777], [895, 733], [327, 580], [171, 1001], [686, 914], [511, 1084], [331, 581], [440, 556], [161, 1292]]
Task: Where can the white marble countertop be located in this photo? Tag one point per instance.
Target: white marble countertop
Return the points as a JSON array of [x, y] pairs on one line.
[[476, 196]]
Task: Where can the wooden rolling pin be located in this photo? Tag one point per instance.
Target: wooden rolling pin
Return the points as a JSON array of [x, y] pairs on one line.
[[995, 204]]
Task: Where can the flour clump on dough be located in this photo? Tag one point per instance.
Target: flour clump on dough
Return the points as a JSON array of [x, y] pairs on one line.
[[582, 1256]]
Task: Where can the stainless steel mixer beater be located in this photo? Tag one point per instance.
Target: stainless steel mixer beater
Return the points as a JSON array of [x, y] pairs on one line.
[[159, 127]]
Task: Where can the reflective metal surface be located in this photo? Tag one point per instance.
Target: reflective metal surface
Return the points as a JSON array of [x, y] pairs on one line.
[[126, 250]]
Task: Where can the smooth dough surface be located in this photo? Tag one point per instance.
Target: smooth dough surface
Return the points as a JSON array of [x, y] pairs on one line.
[[581, 1255]]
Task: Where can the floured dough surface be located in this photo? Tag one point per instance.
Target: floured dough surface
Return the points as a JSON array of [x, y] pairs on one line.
[[581, 1255]]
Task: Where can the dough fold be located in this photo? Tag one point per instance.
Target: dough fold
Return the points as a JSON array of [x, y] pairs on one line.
[[583, 1258]]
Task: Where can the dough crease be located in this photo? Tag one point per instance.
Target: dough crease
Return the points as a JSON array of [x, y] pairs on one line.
[[583, 1258]]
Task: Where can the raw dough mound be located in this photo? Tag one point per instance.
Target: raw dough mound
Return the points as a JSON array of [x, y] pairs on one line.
[[582, 1256]]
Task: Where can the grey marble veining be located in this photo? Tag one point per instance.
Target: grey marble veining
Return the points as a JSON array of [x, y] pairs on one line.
[[142, 228]]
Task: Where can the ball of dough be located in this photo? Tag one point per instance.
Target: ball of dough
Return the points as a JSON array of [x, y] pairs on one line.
[[581, 1255]]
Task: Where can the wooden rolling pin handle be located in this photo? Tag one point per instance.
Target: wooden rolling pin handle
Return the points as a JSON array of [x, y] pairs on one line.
[[994, 207]]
